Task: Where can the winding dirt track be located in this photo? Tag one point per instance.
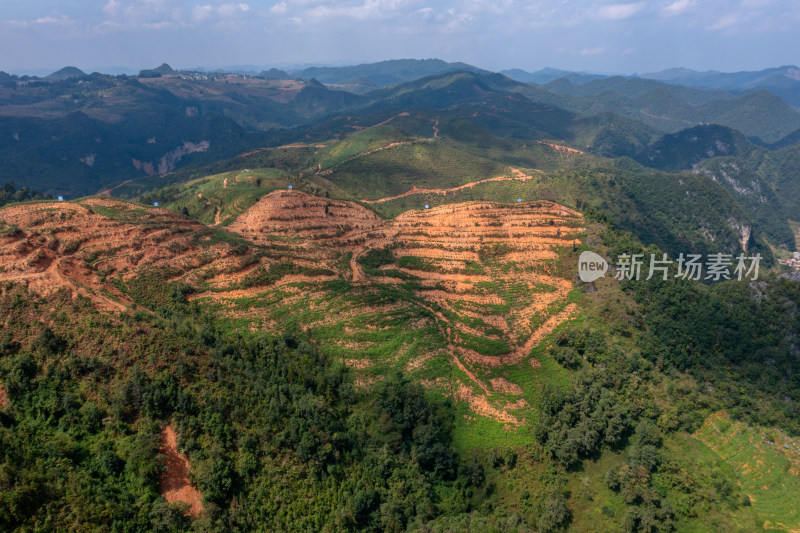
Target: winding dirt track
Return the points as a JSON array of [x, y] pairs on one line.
[[517, 175], [107, 192]]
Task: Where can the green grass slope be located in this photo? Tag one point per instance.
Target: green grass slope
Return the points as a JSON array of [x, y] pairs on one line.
[[767, 461]]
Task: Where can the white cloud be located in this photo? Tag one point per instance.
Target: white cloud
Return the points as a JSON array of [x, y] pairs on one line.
[[230, 10], [112, 8], [592, 51], [725, 22], [619, 11], [58, 21], [160, 25], [49, 20], [365, 10], [201, 13], [457, 21], [150, 14], [594, 32], [676, 8]]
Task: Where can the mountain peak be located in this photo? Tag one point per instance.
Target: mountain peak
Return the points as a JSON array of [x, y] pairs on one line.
[[275, 74], [164, 68], [159, 71], [66, 73]]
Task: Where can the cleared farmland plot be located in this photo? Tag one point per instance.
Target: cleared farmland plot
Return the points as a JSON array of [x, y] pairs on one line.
[[453, 295]]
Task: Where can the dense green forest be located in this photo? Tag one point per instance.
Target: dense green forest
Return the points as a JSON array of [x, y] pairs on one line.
[[10, 193], [277, 433]]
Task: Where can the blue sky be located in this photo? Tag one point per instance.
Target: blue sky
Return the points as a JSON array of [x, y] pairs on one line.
[[592, 35]]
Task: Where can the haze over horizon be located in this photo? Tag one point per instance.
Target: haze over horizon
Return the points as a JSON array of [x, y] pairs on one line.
[[597, 36]]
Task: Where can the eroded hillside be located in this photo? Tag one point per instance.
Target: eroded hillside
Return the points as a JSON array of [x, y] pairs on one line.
[[92, 247], [457, 295]]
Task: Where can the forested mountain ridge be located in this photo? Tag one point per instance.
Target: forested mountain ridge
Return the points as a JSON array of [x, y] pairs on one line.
[[114, 128]]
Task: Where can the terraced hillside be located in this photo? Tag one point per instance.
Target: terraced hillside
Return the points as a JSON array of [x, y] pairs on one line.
[[92, 247], [767, 462], [457, 295], [477, 280]]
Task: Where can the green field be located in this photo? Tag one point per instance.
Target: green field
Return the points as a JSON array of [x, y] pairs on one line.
[[767, 463]]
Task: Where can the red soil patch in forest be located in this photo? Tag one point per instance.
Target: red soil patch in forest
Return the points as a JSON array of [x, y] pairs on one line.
[[562, 148], [3, 396], [362, 154], [503, 385], [481, 406], [107, 192], [175, 484]]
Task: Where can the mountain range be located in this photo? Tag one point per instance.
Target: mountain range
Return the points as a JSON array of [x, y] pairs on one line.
[[612, 116]]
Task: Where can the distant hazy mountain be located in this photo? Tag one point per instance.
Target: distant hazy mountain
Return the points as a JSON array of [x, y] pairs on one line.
[[115, 70], [548, 74], [6, 78], [670, 107], [681, 75], [275, 74], [250, 70], [608, 116], [66, 73], [156, 72], [722, 80], [630, 87], [782, 81], [385, 73]]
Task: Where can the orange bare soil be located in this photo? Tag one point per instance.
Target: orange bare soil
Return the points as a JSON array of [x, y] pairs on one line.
[[519, 241], [175, 485], [3, 397], [503, 385], [85, 247], [482, 270], [562, 148]]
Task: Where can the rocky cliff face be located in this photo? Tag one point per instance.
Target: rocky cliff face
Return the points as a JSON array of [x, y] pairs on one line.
[[170, 160], [743, 230]]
